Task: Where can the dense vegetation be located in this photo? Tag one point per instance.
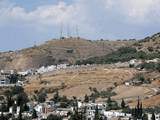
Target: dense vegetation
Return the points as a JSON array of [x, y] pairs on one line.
[[123, 54], [150, 66]]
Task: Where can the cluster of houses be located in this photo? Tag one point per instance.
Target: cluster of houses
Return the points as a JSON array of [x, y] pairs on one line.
[[43, 110], [5, 80], [135, 62], [50, 68]]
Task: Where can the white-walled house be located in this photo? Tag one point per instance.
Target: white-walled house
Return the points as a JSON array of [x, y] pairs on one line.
[[156, 60], [23, 73], [50, 68], [90, 109], [40, 108], [112, 114], [135, 62], [157, 116], [19, 83]]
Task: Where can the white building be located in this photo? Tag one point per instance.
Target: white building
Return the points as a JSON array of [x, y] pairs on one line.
[[135, 62], [112, 114], [51, 68], [90, 109], [4, 81], [20, 83], [40, 108], [157, 116], [23, 73], [156, 60]]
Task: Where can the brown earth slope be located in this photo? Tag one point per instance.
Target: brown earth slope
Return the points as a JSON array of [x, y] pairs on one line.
[[56, 52], [78, 81]]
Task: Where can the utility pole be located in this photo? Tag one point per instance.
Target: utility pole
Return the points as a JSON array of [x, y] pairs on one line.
[[35, 44], [68, 31], [77, 32], [61, 31]]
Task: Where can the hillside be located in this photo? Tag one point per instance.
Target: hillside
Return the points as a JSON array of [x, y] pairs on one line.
[[145, 49], [149, 44], [55, 51], [77, 81]]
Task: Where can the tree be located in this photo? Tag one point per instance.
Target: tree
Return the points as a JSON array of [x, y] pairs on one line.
[[158, 67], [115, 84], [34, 114], [111, 105], [25, 107], [153, 117], [56, 97], [22, 99], [17, 90], [145, 117], [123, 104], [20, 114], [13, 78], [141, 110], [41, 97], [86, 98], [2, 116], [8, 95], [109, 100], [138, 111], [97, 115], [54, 117]]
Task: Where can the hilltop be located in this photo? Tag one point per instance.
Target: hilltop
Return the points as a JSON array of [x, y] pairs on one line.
[[67, 50]]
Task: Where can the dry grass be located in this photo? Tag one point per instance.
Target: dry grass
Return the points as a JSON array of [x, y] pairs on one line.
[[78, 81], [54, 51]]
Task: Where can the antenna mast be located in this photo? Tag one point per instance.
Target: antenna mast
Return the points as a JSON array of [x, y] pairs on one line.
[[35, 44], [77, 32], [61, 31], [68, 31]]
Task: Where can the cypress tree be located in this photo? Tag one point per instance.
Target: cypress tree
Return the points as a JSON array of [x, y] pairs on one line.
[[109, 100], [20, 114], [86, 98], [34, 114], [141, 110], [136, 112], [2, 116], [97, 116], [153, 116], [123, 104]]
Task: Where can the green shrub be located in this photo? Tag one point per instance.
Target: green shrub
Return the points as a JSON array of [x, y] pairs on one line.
[[123, 54]]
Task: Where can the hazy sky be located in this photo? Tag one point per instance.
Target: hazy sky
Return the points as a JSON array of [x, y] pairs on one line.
[[24, 22]]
